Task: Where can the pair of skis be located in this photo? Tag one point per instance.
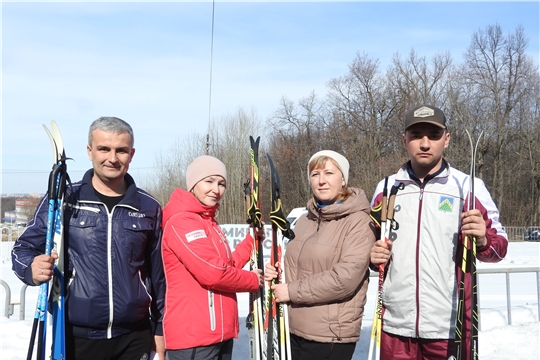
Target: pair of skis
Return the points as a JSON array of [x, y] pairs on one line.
[[387, 224], [268, 331], [468, 266], [58, 178], [254, 320]]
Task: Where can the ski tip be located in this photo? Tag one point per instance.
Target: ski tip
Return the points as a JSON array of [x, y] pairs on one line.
[[53, 144], [57, 137], [254, 142], [269, 159]]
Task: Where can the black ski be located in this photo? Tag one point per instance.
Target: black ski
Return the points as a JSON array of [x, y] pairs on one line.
[[278, 341], [254, 319], [468, 266]]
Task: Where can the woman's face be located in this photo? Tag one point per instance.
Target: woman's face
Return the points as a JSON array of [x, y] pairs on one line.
[[210, 190], [326, 183]]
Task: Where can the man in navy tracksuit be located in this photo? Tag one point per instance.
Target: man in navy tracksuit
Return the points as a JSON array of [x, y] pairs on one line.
[[114, 274]]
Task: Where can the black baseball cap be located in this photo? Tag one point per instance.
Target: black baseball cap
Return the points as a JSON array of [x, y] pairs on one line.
[[425, 114]]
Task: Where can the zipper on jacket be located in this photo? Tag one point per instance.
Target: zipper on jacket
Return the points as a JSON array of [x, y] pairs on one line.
[[307, 238], [109, 271], [318, 218], [418, 260], [109, 264], [212, 310]]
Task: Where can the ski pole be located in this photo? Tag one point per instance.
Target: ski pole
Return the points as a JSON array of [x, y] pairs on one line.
[[378, 305], [58, 178], [40, 318], [387, 212]]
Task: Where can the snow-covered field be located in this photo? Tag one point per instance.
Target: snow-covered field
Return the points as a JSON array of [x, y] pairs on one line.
[[498, 340]]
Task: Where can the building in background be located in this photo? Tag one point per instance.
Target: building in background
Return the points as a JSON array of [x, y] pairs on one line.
[[18, 210], [24, 209], [9, 217]]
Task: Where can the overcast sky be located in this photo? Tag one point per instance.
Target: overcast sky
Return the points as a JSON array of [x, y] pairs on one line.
[[149, 64]]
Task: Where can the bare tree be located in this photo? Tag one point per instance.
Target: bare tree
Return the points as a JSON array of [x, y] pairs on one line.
[[495, 90], [172, 164], [297, 134], [419, 82], [496, 69], [230, 143], [227, 140], [364, 115]]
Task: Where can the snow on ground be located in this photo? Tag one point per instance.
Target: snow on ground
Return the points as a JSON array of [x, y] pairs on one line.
[[497, 339]]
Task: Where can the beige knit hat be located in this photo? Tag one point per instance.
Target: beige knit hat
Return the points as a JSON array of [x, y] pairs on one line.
[[342, 162], [202, 167]]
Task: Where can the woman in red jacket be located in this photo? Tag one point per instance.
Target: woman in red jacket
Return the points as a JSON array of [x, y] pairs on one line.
[[203, 275]]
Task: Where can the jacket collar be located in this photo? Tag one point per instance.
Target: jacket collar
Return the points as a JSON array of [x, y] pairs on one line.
[[406, 173], [356, 202], [182, 200], [87, 192]]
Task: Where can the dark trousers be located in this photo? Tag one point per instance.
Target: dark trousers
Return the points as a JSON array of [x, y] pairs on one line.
[[303, 349], [219, 351], [135, 345]]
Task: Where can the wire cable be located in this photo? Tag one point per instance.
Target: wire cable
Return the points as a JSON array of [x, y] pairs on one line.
[[210, 85]]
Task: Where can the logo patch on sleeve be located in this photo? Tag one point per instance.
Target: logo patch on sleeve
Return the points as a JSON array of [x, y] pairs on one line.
[[194, 235], [446, 204]]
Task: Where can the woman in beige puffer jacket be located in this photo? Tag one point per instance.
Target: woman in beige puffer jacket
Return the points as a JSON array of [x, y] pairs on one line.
[[326, 265]]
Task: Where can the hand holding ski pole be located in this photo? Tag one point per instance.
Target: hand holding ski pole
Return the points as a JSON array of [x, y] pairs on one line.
[[381, 252], [260, 278], [473, 224], [270, 272], [281, 290], [43, 268], [260, 232]]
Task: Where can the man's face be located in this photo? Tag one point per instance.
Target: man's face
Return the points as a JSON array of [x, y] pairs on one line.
[[110, 154], [425, 144]]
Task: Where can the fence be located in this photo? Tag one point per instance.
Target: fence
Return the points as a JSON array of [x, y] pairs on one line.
[[9, 306], [516, 233], [8, 309], [507, 271]]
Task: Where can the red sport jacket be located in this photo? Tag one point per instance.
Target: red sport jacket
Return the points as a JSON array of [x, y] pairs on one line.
[[202, 275]]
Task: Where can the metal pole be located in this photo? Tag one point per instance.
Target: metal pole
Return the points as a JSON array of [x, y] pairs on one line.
[[7, 305], [508, 304], [22, 302], [538, 292]]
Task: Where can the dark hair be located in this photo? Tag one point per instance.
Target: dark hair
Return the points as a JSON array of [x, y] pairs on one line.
[[110, 124]]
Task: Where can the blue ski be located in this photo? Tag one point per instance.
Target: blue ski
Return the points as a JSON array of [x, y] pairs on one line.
[[56, 190]]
